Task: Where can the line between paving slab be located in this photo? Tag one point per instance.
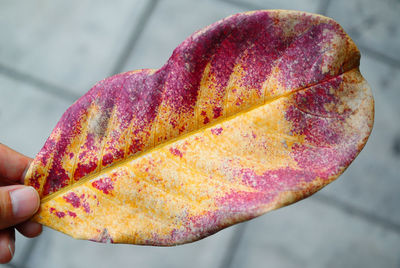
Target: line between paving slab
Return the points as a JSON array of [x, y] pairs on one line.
[[360, 213], [323, 7], [327, 201], [241, 4], [38, 83], [27, 252], [233, 246], [134, 37], [380, 56]]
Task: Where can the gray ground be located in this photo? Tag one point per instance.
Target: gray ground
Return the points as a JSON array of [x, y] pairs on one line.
[[53, 51]]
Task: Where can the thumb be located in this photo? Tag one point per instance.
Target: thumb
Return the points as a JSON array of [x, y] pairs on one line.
[[17, 204]]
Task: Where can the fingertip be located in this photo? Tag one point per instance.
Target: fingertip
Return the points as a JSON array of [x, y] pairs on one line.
[[36, 198], [18, 203], [7, 245], [30, 229], [25, 202]]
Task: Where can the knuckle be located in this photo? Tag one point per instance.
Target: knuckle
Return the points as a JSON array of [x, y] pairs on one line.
[[5, 208]]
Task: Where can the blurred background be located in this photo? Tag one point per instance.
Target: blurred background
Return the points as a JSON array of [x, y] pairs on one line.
[[53, 51]]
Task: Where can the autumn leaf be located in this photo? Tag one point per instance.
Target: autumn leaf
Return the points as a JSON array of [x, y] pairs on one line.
[[249, 114]]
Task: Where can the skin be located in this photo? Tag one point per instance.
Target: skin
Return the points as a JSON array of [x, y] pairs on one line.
[[13, 166]]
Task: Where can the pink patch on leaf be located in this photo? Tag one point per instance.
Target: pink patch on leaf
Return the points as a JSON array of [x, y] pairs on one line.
[[283, 179], [244, 202], [84, 169], [73, 199], [176, 152], [107, 159], [216, 131], [86, 206], [217, 112], [72, 214], [60, 214], [105, 185]]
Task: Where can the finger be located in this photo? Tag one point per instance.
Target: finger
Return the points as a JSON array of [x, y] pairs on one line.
[[13, 165], [29, 228], [17, 204], [7, 245]]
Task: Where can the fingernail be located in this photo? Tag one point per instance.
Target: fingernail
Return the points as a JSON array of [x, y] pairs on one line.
[[25, 202]]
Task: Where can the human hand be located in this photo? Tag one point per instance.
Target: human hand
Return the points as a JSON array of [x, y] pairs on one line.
[[18, 203]]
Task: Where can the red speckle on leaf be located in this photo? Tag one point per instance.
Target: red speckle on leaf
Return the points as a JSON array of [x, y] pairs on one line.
[[69, 126], [86, 206], [73, 199], [60, 214], [173, 122], [59, 179], [72, 214], [106, 185], [84, 169], [34, 180], [107, 159], [89, 145], [44, 154], [217, 131], [206, 120], [136, 145], [176, 152], [217, 112], [182, 129]]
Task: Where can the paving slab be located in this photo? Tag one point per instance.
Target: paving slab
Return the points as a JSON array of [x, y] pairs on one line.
[[372, 182], [302, 5], [311, 234], [58, 250], [27, 115], [170, 23], [72, 44], [374, 24]]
